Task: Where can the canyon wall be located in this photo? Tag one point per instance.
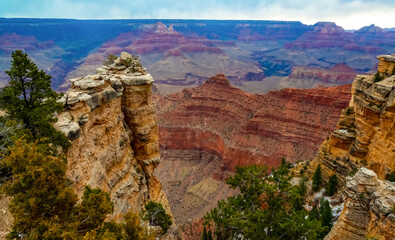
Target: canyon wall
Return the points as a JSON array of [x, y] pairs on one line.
[[111, 121], [368, 209], [205, 132], [364, 135], [311, 77]]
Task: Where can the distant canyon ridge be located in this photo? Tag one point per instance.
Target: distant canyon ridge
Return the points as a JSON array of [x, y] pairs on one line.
[[256, 56]]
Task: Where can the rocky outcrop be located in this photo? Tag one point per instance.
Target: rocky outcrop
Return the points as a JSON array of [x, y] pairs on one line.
[[311, 77], [205, 132], [111, 121], [364, 136], [368, 209], [386, 64]]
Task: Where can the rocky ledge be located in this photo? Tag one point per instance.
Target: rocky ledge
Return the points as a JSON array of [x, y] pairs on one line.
[[364, 136], [368, 210], [111, 121]]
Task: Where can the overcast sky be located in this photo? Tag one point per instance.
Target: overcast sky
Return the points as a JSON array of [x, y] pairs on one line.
[[350, 14]]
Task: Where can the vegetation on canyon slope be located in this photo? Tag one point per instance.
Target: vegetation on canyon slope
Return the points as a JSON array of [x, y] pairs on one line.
[[268, 207], [32, 168]]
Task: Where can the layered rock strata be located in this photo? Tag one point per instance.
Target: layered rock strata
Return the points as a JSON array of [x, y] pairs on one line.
[[368, 210], [364, 135], [205, 132], [111, 121], [310, 77]]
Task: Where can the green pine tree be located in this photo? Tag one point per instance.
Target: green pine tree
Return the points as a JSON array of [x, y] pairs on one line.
[[204, 236], [302, 186], [268, 207], [317, 178], [331, 188], [30, 99], [326, 217], [314, 214], [210, 235], [43, 204]]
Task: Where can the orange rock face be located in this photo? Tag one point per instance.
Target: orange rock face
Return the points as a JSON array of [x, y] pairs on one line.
[[205, 132], [111, 121], [364, 136]]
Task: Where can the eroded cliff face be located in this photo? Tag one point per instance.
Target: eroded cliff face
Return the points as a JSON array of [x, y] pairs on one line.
[[311, 77], [365, 133], [205, 132], [111, 121], [364, 137], [368, 209]]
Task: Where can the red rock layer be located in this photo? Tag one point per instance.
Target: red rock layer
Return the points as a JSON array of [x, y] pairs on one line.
[[242, 128], [174, 58], [338, 74], [329, 35], [205, 132]]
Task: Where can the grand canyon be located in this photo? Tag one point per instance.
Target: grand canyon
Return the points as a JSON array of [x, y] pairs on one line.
[[187, 102], [264, 55]]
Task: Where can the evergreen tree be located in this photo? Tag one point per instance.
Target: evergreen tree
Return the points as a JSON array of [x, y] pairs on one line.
[[92, 211], [30, 99], [210, 235], [302, 186], [157, 216], [326, 217], [204, 236], [331, 188], [41, 197], [268, 207], [314, 214], [43, 204], [317, 178]]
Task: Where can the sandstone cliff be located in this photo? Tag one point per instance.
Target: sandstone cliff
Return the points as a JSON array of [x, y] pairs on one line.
[[205, 132], [368, 210], [111, 121], [364, 135]]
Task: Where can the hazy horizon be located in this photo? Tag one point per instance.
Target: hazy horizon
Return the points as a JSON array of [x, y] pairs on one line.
[[348, 14]]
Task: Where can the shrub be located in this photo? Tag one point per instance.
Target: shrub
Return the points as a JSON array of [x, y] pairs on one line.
[[110, 59], [157, 216], [391, 177], [349, 110], [377, 77]]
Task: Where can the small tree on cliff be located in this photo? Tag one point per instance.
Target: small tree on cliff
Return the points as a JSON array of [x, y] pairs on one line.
[[157, 216], [30, 99], [317, 178], [331, 188]]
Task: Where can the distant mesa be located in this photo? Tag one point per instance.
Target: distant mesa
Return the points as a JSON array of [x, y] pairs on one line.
[[327, 28], [370, 29]]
